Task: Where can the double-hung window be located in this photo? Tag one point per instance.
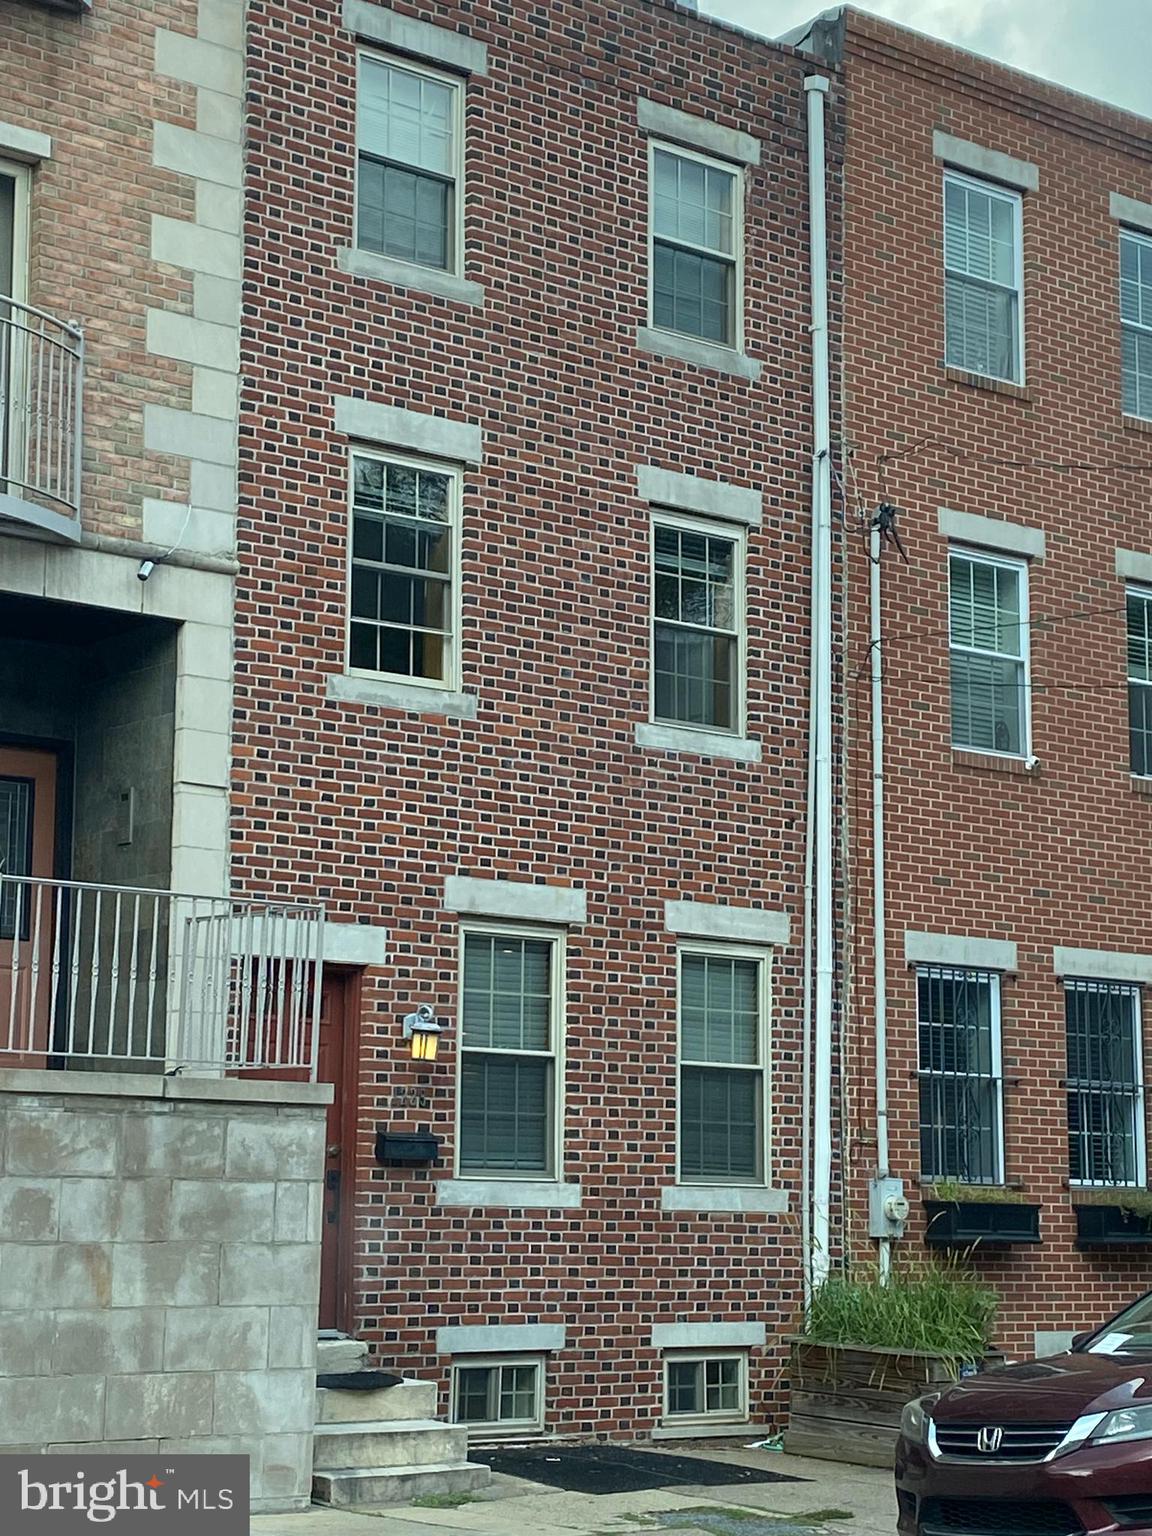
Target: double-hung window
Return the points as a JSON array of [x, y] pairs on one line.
[[509, 1045], [1139, 609], [988, 641], [723, 1076], [409, 170], [983, 290], [710, 1387], [403, 569], [1136, 323], [697, 245], [961, 1099], [697, 624], [1104, 1083]]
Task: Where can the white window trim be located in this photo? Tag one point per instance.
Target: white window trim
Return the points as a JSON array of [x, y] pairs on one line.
[[1005, 562], [763, 957], [1132, 589], [499, 1428], [738, 174], [996, 1040], [450, 682], [21, 175], [1010, 195], [731, 533], [557, 938], [1141, 238], [717, 1416], [1139, 1112], [456, 233]]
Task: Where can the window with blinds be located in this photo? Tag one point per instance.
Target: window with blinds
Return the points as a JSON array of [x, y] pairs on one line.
[[409, 163], [1104, 1083], [1136, 323], [988, 643], [722, 1071], [982, 279], [696, 240], [961, 1088], [697, 621], [508, 1077], [1139, 611], [401, 576]]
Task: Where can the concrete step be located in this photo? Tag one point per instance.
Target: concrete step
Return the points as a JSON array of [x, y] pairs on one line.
[[334, 1355], [388, 1443], [410, 1399], [346, 1486]]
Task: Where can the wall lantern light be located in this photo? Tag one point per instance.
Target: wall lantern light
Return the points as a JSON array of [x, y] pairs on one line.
[[424, 1029]]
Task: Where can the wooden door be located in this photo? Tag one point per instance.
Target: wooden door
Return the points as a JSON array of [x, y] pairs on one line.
[[28, 912], [336, 1065]]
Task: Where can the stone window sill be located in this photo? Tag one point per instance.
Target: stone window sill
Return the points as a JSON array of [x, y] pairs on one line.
[[1136, 423], [676, 738], [1141, 786], [344, 688], [354, 262], [517, 1194], [982, 381], [991, 762], [729, 1197], [686, 349], [698, 1431]]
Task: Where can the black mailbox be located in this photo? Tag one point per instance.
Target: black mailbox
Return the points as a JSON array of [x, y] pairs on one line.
[[407, 1147]]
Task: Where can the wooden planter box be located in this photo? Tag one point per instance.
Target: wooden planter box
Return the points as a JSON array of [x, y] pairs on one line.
[[846, 1400], [1112, 1226], [990, 1223]]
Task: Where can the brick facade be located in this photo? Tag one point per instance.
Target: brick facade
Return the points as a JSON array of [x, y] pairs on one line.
[[1046, 856], [371, 808]]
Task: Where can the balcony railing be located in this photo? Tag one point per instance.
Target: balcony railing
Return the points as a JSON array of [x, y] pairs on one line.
[[108, 976], [41, 419]]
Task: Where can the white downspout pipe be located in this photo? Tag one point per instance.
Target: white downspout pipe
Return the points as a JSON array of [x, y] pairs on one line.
[[879, 936], [816, 88]]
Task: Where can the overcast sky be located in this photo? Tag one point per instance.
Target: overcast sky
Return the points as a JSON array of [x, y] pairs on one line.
[[1100, 47]]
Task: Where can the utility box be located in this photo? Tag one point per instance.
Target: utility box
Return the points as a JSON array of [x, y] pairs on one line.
[[887, 1208]]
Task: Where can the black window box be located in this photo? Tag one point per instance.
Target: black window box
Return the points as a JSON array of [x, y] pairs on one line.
[[407, 1147], [1112, 1226], [992, 1223]]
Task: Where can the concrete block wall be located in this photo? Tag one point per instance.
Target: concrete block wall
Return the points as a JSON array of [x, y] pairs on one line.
[[159, 1269]]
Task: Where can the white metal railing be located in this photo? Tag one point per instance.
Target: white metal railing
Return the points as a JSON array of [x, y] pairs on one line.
[[95, 974], [41, 407]]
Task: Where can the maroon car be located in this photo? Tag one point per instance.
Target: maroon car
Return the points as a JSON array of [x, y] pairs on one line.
[[1054, 1447]]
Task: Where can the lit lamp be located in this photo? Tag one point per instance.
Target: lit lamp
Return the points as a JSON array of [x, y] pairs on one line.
[[424, 1030]]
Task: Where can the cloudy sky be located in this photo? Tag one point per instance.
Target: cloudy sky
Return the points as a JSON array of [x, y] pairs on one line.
[[1101, 47]]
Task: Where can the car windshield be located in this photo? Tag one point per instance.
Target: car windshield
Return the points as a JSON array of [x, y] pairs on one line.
[[1128, 1334]]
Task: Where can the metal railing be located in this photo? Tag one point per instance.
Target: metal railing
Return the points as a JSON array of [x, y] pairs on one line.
[[41, 407], [100, 974]]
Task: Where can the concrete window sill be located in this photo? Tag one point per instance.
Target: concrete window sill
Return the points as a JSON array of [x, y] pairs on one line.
[[1136, 423], [383, 693], [992, 762], [516, 1194], [704, 354], [678, 738], [993, 386], [354, 262], [725, 1431], [715, 1197], [1141, 786]]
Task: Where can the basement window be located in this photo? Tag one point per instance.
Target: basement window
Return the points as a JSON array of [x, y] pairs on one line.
[[706, 1387], [499, 1397]]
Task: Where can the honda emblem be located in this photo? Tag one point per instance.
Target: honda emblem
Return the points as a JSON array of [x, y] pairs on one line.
[[989, 1439]]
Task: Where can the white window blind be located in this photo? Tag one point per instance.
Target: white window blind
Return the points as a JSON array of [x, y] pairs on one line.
[[1136, 323], [982, 261], [989, 653]]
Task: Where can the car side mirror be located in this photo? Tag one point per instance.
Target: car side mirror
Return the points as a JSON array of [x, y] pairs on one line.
[[1079, 1340]]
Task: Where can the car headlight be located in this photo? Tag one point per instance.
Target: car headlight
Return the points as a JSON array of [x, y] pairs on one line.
[[916, 1417], [1124, 1424]]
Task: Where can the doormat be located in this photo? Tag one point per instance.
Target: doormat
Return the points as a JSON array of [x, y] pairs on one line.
[[618, 1469]]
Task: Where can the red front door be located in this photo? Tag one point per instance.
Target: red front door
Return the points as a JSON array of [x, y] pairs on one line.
[[334, 1063]]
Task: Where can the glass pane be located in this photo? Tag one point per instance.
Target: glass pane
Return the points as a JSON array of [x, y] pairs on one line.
[[472, 1395], [720, 1124], [694, 676], [719, 1010], [404, 215], [693, 202], [984, 606], [988, 703], [1140, 728], [685, 1386], [959, 1083], [405, 117], [979, 233], [17, 800], [518, 1392], [722, 1386], [980, 327], [1136, 353], [507, 993], [505, 1113], [693, 294]]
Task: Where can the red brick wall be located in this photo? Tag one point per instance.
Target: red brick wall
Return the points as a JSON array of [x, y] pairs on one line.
[[370, 808], [90, 84], [1057, 856]]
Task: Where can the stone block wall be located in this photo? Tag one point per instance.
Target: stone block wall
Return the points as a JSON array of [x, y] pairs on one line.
[[159, 1269]]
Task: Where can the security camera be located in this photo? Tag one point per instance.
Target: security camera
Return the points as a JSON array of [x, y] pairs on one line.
[[146, 569]]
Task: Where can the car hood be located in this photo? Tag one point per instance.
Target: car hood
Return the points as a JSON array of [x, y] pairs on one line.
[[1045, 1391]]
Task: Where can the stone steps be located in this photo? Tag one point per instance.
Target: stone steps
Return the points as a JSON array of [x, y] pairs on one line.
[[344, 1487], [410, 1399], [335, 1355], [388, 1443]]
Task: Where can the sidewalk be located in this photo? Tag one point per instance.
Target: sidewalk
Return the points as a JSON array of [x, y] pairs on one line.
[[511, 1507]]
